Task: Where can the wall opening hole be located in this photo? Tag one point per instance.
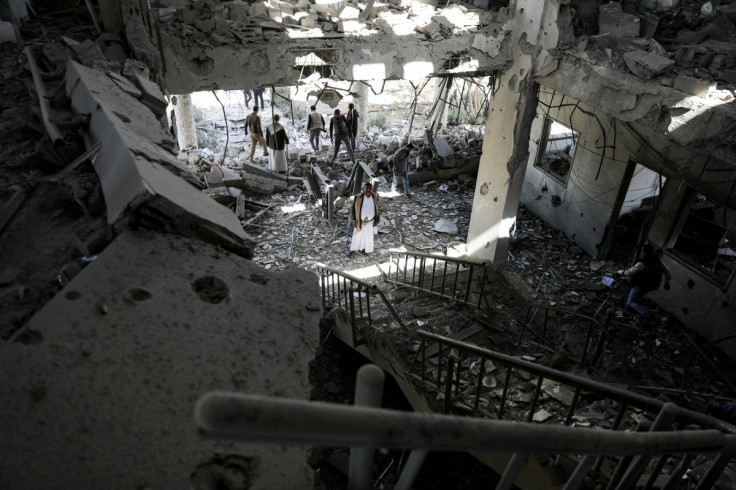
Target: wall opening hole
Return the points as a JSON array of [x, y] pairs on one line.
[[210, 289], [73, 295], [690, 284]]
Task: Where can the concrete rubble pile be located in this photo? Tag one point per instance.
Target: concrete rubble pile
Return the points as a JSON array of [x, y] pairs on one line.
[[678, 61], [227, 23], [163, 306]]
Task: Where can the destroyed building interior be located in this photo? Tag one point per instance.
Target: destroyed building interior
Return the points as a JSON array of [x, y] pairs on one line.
[[179, 311]]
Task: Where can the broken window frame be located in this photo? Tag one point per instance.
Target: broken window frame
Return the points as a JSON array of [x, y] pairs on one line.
[[707, 265], [542, 150], [316, 61]]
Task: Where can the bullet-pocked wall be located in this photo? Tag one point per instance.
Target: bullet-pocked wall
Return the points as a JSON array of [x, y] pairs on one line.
[[573, 173], [700, 298]]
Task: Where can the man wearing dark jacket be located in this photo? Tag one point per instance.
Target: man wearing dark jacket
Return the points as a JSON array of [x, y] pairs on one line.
[[401, 168], [339, 125], [646, 275], [352, 119]]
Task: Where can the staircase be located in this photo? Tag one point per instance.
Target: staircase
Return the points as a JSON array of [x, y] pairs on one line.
[[477, 388]]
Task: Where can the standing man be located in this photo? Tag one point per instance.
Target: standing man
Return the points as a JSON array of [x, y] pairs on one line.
[[253, 123], [342, 134], [352, 119], [645, 275], [258, 93], [365, 216], [248, 93], [277, 141], [401, 168], [315, 125]]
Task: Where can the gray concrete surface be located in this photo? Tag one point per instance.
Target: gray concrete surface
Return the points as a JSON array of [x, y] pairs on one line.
[[98, 390]]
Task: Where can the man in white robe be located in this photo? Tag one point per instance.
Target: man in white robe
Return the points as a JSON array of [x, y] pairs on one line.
[[366, 216]]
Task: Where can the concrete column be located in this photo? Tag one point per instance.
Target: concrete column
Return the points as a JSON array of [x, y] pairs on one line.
[[186, 130], [361, 103], [440, 95], [506, 142]]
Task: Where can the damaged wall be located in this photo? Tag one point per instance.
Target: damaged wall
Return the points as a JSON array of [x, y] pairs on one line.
[[580, 205], [240, 46], [696, 298]]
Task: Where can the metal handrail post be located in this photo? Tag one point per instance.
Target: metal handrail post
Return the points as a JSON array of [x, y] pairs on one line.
[[511, 471], [368, 393], [664, 420], [411, 468], [581, 470]]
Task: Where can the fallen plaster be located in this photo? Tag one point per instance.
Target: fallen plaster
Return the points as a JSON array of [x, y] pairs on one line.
[[101, 383], [137, 174]]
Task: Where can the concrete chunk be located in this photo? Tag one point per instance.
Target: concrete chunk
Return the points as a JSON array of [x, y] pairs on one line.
[[443, 148], [125, 85], [123, 360], [137, 175], [646, 65], [694, 86], [152, 96]]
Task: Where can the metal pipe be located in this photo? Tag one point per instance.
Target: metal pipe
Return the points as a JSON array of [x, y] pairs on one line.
[[43, 101], [715, 470], [411, 469], [674, 480], [346, 275], [256, 418], [442, 257], [368, 393]]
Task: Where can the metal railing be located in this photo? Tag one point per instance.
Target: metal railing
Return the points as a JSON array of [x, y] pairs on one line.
[[343, 290], [459, 280], [259, 419], [552, 326], [458, 377]]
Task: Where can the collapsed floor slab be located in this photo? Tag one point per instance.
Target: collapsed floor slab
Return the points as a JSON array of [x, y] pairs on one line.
[[102, 384], [137, 174]]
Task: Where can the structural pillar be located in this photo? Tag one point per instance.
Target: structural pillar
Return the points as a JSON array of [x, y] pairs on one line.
[[361, 103], [506, 142], [186, 128]]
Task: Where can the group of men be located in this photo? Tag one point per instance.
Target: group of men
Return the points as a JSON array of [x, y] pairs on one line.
[[343, 129]]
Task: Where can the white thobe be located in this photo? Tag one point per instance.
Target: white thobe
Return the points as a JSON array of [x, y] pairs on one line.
[[363, 238]]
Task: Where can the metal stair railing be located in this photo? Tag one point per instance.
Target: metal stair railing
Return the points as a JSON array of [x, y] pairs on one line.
[[440, 275], [457, 385], [465, 281], [549, 326], [342, 290], [260, 419]]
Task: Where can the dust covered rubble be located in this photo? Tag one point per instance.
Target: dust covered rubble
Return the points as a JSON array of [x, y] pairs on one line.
[[213, 24]]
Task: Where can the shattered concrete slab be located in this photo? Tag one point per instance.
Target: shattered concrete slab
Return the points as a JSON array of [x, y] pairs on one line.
[[137, 174], [647, 65], [102, 382]]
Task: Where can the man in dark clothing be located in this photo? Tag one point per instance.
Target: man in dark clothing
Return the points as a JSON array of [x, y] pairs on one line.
[[645, 276], [401, 168], [339, 125], [248, 96], [258, 94], [253, 124], [352, 119]]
